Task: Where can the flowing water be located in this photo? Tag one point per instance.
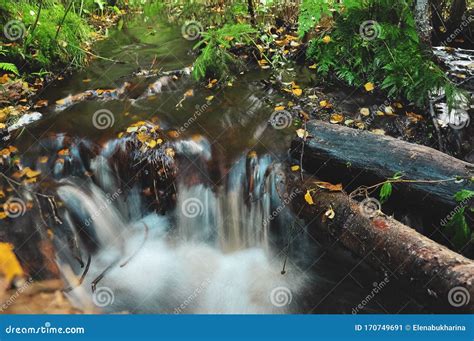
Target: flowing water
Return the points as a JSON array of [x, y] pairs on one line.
[[229, 243]]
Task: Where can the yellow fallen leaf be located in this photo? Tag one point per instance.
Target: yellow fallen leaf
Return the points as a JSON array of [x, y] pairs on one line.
[[295, 168], [329, 186], [378, 131], [365, 111], [132, 129], [32, 173], [297, 92], [330, 214], [9, 265], [209, 98], [2, 126], [326, 39], [170, 152], [336, 118], [314, 66], [280, 108], [369, 86], [151, 144], [308, 198], [302, 133]]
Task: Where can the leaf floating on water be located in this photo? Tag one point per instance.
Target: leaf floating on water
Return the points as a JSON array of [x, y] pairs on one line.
[[308, 198]]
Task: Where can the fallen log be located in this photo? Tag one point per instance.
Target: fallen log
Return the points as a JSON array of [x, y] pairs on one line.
[[438, 277], [337, 153]]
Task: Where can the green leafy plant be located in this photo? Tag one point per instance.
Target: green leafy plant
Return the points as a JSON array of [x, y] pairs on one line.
[[9, 67], [376, 41], [387, 188], [311, 11], [215, 58], [457, 226]]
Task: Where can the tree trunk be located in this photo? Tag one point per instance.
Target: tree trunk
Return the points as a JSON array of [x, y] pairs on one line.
[[251, 12], [423, 22], [436, 275], [337, 153]]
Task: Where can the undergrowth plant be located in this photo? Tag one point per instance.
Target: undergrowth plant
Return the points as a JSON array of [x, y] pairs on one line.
[[376, 41], [215, 58], [457, 226]]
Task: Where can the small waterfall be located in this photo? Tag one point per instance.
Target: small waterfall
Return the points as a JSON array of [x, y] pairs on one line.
[[213, 253]]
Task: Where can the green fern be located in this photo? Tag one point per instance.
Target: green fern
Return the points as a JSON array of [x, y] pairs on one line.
[[9, 67], [215, 58], [394, 58]]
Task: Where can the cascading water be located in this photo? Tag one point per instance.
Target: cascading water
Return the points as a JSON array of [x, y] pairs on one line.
[[214, 253]]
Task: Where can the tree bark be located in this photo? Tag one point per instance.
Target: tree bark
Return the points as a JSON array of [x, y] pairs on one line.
[[423, 22], [437, 276], [354, 157], [251, 12]]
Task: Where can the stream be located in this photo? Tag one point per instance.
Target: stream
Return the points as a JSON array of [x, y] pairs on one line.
[[219, 247]]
